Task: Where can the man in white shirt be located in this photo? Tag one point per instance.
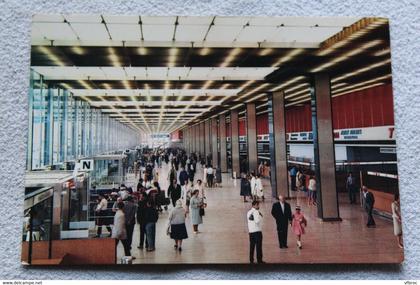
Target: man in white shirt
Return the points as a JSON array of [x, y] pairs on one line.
[[254, 218], [101, 211]]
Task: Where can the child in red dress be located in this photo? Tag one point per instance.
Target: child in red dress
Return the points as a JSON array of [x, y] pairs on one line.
[[298, 225]]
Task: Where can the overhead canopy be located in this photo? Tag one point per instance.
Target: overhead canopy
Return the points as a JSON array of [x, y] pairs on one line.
[[161, 73]]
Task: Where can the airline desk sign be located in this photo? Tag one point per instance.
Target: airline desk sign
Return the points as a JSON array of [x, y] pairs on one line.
[[86, 165], [380, 133]]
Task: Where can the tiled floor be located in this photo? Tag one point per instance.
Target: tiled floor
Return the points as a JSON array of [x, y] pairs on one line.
[[224, 237]]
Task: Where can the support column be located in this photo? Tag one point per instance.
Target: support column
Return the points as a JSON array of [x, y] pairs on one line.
[[234, 143], [324, 152], [251, 124], [207, 139], [278, 157], [214, 151], [195, 138], [202, 137], [222, 142]]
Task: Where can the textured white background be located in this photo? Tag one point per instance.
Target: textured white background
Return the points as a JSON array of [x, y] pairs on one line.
[[15, 24]]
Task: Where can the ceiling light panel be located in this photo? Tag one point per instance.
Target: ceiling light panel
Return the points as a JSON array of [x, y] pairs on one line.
[[126, 19], [138, 72], [189, 20], [83, 18], [304, 21], [191, 33], [256, 33], [303, 34], [233, 21], [125, 32], [156, 73], [158, 32], [91, 31], [114, 73], [220, 34], [175, 73]]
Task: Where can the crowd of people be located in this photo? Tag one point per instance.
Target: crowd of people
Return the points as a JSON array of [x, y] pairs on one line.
[[187, 195], [144, 205]]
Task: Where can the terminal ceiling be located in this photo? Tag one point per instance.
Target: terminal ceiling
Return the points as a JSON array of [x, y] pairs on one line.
[[158, 74]]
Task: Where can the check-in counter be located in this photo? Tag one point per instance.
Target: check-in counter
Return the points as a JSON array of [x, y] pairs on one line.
[[72, 252], [53, 201]]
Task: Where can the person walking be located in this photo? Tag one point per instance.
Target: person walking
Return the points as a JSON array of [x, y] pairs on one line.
[[101, 211], [259, 188], [141, 219], [218, 180], [254, 218], [183, 180], [210, 176], [174, 191], [151, 217], [205, 176], [178, 230], [298, 226], [312, 191], [130, 210], [369, 202], [245, 187], [253, 185], [282, 213], [396, 218], [351, 188], [196, 204], [120, 232], [200, 187], [172, 174]]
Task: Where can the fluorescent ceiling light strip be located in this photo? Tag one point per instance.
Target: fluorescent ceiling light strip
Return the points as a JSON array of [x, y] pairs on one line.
[[357, 89], [256, 98], [347, 55], [307, 95], [296, 87], [296, 102], [51, 56], [293, 80], [361, 70], [253, 90], [290, 55], [382, 52], [296, 93], [363, 83], [231, 57]]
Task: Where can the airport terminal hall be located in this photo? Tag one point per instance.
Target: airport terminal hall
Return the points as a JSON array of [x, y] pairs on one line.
[[210, 140]]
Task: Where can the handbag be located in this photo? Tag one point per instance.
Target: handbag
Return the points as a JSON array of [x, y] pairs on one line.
[[201, 212]]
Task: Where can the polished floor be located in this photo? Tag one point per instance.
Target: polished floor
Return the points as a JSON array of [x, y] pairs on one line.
[[223, 236]]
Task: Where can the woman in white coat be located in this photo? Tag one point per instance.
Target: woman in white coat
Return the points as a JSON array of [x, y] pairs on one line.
[[205, 175], [396, 218], [119, 231], [259, 188], [253, 186], [195, 205]]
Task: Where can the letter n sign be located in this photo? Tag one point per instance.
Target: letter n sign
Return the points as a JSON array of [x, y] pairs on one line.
[[86, 165]]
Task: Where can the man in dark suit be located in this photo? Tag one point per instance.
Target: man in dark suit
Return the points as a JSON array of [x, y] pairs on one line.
[[368, 204], [283, 214]]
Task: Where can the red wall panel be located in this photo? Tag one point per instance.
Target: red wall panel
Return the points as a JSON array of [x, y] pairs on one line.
[[262, 124], [365, 108], [242, 126]]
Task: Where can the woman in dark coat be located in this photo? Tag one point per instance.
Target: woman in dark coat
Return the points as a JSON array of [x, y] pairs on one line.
[[245, 187]]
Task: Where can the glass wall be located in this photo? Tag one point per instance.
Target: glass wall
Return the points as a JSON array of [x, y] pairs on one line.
[[63, 128]]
